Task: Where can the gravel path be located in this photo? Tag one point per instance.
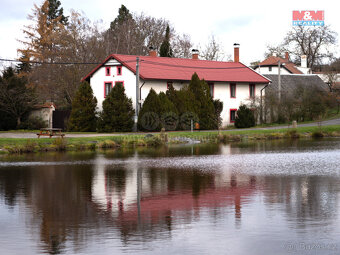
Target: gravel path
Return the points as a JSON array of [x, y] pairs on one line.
[[33, 135]]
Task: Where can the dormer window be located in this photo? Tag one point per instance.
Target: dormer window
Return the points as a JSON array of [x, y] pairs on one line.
[[119, 70], [108, 71]]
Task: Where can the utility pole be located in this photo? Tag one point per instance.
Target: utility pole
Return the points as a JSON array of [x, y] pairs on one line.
[[279, 80], [137, 93]]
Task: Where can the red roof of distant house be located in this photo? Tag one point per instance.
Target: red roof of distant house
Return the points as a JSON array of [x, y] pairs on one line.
[[273, 61], [162, 68], [45, 105]]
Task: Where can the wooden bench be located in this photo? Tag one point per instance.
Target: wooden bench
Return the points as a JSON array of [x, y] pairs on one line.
[[51, 132]]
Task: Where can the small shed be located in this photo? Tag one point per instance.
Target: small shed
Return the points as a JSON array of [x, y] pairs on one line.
[[45, 112]]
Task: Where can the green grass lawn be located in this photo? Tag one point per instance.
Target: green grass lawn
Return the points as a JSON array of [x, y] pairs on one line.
[[83, 143], [327, 129], [331, 114]]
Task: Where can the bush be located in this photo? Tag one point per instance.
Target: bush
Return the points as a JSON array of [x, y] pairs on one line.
[[317, 134], [293, 134], [59, 144], [244, 118], [33, 123], [107, 144], [154, 141], [117, 114], [29, 146], [7, 122]]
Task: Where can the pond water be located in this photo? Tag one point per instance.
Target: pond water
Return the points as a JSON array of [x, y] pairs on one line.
[[274, 197]]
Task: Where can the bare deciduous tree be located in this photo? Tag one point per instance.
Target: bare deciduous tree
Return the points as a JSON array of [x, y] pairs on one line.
[[314, 42], [275, 51], [181, 46], [213, 50]]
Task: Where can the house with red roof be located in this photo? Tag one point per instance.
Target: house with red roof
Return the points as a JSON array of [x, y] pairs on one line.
[[231, 82], [271, 65]]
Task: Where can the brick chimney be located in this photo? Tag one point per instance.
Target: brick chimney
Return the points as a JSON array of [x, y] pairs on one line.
[[152, 52], [194, 53], [287, 56], [236, 52]]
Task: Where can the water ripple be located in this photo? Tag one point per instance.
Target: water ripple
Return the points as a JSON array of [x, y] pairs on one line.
[[296, 163]]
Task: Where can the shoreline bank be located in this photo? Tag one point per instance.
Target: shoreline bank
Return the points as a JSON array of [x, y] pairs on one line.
[[27, 145]]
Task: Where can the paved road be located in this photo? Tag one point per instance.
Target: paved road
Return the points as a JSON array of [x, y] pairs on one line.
[[33, 135]]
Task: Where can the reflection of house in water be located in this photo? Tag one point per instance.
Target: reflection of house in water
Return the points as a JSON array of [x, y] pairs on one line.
[[150, 198]]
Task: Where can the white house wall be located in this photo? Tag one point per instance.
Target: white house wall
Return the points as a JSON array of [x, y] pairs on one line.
[[265, 70], [99, 78], [221, 89], [222, 92]]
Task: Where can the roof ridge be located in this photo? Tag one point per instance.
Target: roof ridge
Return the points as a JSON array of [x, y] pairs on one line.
[[172, 58]]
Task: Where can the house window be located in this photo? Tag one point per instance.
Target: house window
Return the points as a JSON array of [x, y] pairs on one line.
[[270, 69], [120, 83], [251, 90], [211, 89], [232, 90], [108, 71], [107, 88], [119, 70], [232, 115], [168, 84]]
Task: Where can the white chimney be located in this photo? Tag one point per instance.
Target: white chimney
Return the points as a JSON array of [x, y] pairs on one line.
[[304, 61]]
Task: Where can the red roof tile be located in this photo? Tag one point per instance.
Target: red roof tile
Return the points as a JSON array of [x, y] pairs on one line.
[[161, 68], [272, 60], [292, 68], [45, 105]]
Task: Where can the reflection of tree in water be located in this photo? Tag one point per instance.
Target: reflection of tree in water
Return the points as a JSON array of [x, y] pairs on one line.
[[60, 201], [305, 198], [13, 183], [61, 197]]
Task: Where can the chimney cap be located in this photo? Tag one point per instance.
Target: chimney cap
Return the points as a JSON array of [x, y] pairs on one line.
[[194, 53], [236, 45]]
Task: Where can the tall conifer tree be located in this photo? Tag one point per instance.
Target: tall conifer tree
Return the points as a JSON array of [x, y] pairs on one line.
[[165, 49], [149, 115], [203, 105], [83, 114]]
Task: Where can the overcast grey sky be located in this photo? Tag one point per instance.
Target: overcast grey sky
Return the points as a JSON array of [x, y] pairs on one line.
[[253, 24]]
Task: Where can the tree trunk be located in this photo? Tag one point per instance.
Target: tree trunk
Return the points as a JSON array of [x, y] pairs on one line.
[[18, 122]]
